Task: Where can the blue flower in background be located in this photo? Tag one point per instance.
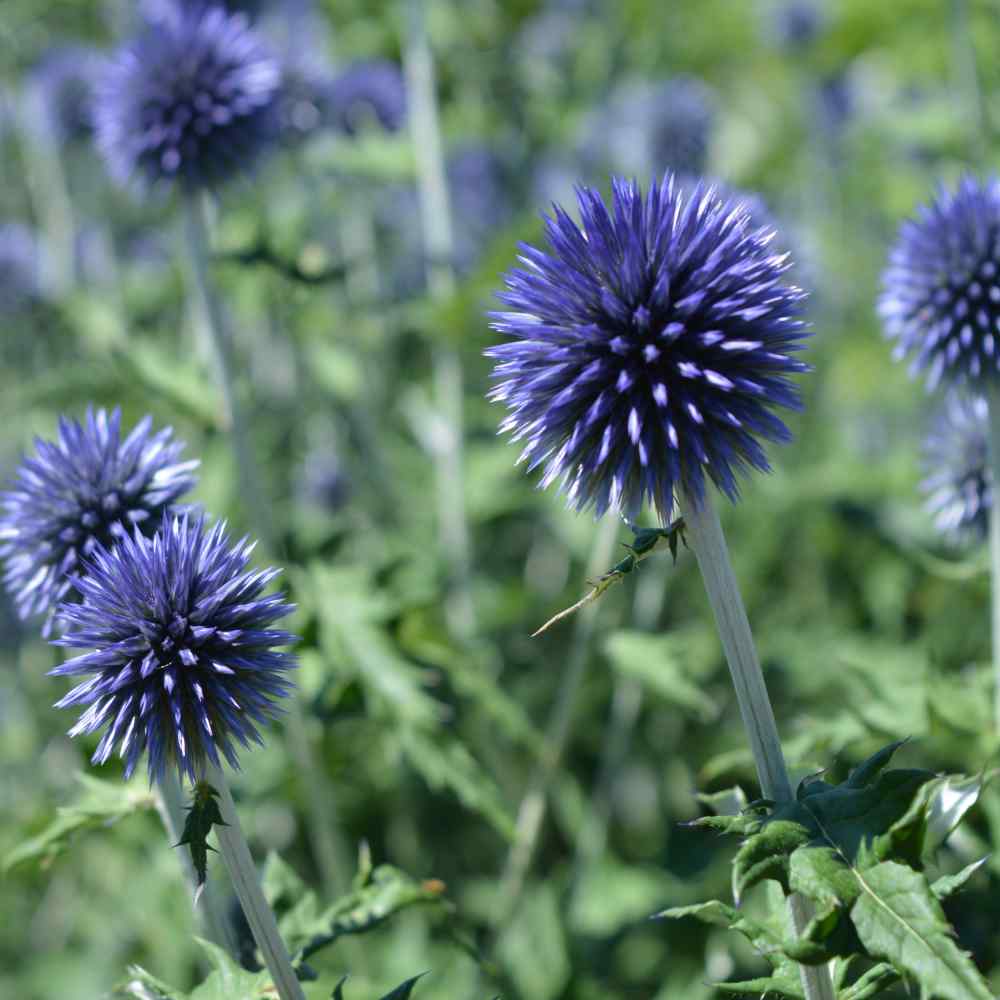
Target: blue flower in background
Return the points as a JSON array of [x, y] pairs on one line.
[[182, 661], [87, 488], [959, 484], [371, 92], [941, 290], [20, 267], [647, 127], [649, 347], [798, 22], [59, 91], [192, 100]]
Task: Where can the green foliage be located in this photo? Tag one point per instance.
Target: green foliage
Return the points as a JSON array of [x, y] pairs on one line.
[[98, 804], [857, 852], [203, 814]]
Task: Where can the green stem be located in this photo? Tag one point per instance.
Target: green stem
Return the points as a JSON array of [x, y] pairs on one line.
[[435, 212], [994, 456], [705, 537], [260, 917], [212, 905], [318, 797], [531, 813], [220, 343]]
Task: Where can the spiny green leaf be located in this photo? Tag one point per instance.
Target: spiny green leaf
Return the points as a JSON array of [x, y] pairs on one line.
[[947, 885], [229, 981], [655, 663], [203, 814], [403, 990], [388, 891], [765, 854], [820, 874], [100, 804], [875, 981], [446, 763], [899, 919], [785, 985]]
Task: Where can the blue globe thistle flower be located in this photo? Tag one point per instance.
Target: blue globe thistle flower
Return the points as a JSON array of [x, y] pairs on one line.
[[941, 290], [647, 127], [959, 483], [369, 92], [649, 347], [59, 91], [182, 659], [85, 489], [798, 22], [192, 100], [20, 267]]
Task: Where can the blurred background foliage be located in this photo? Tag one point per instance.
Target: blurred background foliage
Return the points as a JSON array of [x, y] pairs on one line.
[[841, 116]]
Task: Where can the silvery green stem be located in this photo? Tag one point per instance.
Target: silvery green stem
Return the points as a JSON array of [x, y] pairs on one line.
[[435, 213], [705, 537], [531, 813], [236, 855], [994, 453], [211, 905], [970, 93], [319, 797], [220, 342]]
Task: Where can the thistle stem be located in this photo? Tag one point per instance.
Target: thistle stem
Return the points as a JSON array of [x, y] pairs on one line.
[[211, 906], [260, 917], [220, 343], [319, 796], [531, 813], [705, 537], [435, 213], [994, 459]]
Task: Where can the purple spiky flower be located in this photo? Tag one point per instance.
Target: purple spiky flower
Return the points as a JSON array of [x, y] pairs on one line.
[[182, 654], [87, 488], [941, 290], [649, 347], [192, 100], [648, 126], [369, 92], [959, 483]]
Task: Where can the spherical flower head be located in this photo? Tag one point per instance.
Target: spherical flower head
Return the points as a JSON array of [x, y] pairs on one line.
[[191, 101], [182, 662], [648, 349], [369, 92], [59, 91], [88, 488], [649, 125], [959, 483], [941, 290]]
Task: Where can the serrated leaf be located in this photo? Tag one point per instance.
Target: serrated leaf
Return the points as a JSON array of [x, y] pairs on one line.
[[143, 985], [229, 981], [947, 885], [820, 874], [765, 854], [403, 990], [655, 663], [782, 986], [445, 763], [203, 814], [875, 981], [898, 919], [387, 892], [99, 804]]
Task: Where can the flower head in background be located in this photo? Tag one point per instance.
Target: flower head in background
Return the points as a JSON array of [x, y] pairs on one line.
[[798, 22], [182, 663], [87, 488], [941, 291], [648, 127], [20, 267], [191, 101], [369, 92], [959, 484], [59, 91], [648, 349]]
